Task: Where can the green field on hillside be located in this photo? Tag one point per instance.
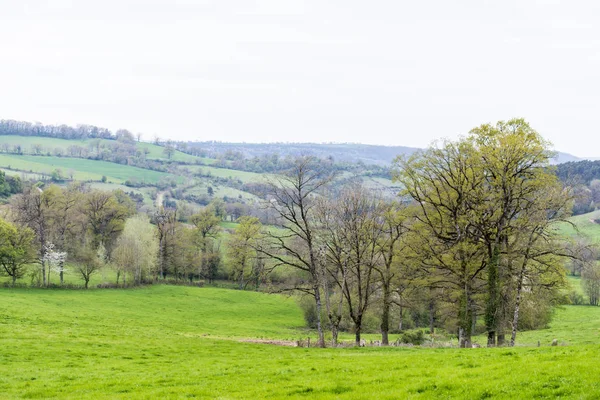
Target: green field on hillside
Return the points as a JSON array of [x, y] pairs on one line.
[[83, 169], [178, 342], [155, 152], [243, 176], [585, 226]]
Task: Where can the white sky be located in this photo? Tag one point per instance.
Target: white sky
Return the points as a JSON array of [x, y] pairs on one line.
[[382, 71]]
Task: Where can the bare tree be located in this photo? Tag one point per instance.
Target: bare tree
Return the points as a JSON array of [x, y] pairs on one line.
[[292, 198]]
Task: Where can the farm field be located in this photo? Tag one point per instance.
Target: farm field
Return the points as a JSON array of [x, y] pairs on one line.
[[84, 170], [155, 152], [585, 226], [176, 342], [243, 176]]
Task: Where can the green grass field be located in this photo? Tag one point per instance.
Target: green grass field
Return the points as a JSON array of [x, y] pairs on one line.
[[243, 176], [585, 226], [49, 144], [183, 342], [84, 170]]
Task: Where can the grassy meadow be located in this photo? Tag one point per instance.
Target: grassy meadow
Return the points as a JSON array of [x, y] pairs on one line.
[[84, 170], [188, 342], [155, 152]]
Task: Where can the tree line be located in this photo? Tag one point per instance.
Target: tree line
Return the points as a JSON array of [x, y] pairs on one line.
[[24, 128], [472, 236]]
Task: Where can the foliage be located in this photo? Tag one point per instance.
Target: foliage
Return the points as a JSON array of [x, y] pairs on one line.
[[416, 337], [590, 281], [136, 249], [477, 221], [16, 250], [242, 247]]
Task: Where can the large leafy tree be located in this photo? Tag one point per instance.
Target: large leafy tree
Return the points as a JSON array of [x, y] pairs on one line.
[[207, 228], [242, 250], [475, 196], [16, 250], [136, 249]]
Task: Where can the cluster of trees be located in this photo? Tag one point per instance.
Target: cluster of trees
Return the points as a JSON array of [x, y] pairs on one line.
[[9, 185], [472, 237], [23, 128], [587, 267], [584, 178], [93, 229], [82, 223], [341, 152], [583, 171]]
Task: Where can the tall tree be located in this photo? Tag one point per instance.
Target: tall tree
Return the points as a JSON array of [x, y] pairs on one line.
[[136, 249], [443, 181], [206, 224], [166, 221], [476, 195], [16, 250], [515, 161], [292, 199], [242, 252], [105, 217], [33, 209], [359, 214], [394, 223]]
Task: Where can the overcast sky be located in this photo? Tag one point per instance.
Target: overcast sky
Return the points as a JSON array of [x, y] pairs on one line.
[[390, 72]]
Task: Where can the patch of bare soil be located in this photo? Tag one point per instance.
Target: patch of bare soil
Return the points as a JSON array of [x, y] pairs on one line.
[[288, 343]]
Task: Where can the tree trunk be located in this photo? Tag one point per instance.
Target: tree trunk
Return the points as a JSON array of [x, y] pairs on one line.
[[43, 265], [491, 308], [334, 335], [515, 320], [501, 339], [401, 318], [431, 317], [319, 324], [357, 329], [385, 316], [14, 279], [465, 317], [241, 280]]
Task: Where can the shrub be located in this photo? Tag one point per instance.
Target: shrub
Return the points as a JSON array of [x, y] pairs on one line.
[[576, 298], [413, 337], [309, 310]]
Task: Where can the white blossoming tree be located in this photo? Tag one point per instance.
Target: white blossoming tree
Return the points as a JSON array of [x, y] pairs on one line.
[[55, 260]]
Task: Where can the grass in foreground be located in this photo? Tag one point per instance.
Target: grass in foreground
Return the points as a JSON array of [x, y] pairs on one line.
[[167, 342]]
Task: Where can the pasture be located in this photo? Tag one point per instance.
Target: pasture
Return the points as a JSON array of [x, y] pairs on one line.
[[585, 226], [187, 342], [48, 145], [243, 176], [83, 169]]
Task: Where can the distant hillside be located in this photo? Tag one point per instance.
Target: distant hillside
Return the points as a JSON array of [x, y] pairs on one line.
[[564, 157], [346, 152]]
